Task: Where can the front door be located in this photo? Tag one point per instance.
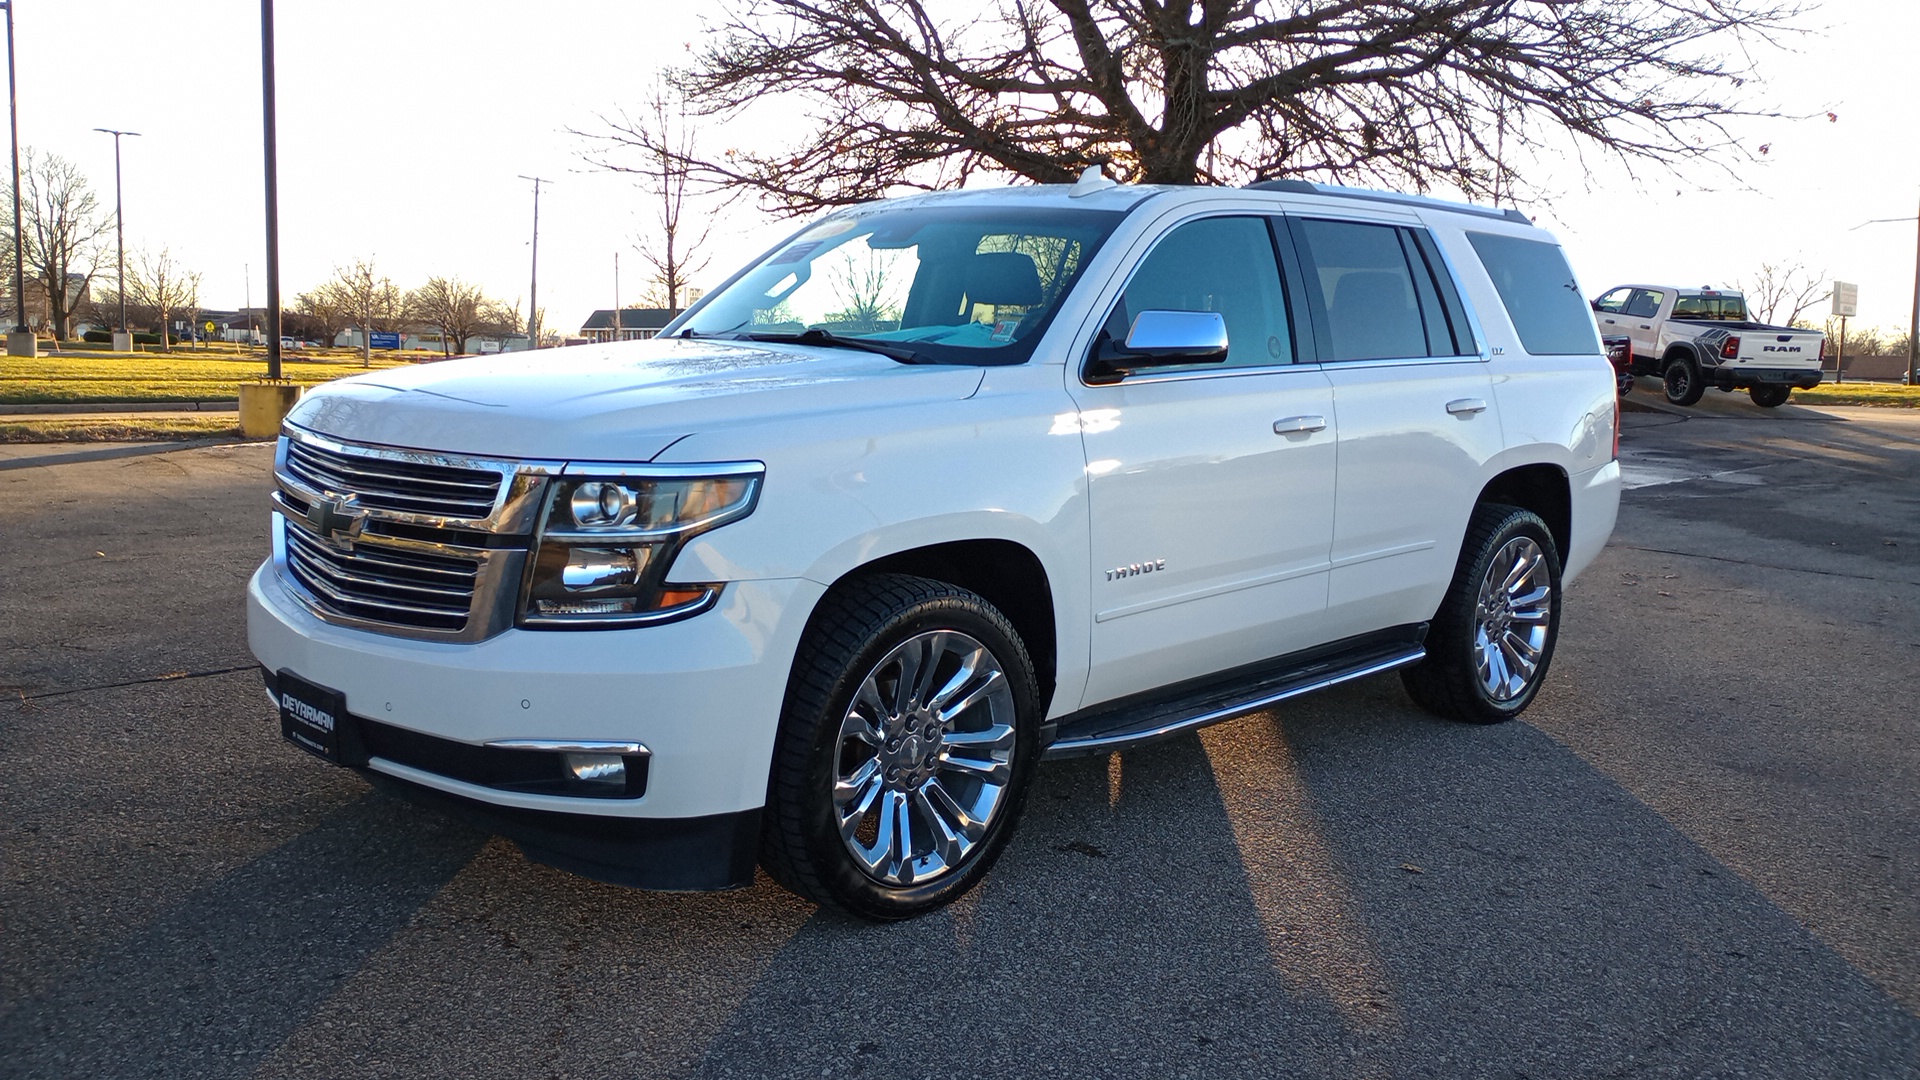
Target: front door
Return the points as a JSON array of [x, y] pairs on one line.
[[1211, 487]]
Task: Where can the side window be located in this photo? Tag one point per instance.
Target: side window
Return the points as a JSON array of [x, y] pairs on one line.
[[1223, 264], [1539, 291], [1362, 290], [1645, 304], [1614, 303]]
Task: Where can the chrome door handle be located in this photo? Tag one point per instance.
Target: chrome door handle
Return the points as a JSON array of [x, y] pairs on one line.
[[1294, 425], [1466, 406]]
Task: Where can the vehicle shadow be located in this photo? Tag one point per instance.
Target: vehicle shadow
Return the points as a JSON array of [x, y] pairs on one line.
[[1344, 888], [223, 977]]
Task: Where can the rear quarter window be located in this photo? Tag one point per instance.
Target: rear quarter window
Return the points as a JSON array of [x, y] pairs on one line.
[[1542, 298]]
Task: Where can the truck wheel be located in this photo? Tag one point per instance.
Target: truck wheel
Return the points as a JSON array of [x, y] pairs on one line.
[[1492, 639], [1683, 383], [1769, 397], [907, 744]]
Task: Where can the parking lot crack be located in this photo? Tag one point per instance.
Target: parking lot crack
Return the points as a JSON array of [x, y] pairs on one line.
[[171, 676], [1764, 565]]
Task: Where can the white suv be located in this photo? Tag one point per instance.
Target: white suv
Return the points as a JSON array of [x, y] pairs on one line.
[[935, 489]]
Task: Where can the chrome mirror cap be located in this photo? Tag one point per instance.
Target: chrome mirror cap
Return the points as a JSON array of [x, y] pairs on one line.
[[1179, 337]]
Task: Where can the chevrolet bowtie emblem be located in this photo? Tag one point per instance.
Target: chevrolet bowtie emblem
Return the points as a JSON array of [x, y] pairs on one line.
[[337, 522]]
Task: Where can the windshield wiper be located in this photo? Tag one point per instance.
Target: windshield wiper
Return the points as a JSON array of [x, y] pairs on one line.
[[817, 336]]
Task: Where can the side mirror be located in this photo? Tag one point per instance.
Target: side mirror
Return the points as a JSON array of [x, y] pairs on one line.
[[1158, 339]]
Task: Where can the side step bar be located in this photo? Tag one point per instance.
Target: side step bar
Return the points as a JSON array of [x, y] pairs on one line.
[[1135, 721]]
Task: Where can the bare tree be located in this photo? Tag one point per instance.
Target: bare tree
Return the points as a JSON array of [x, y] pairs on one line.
[[324, 310], [369, 300], [455, 308], [926, 93], [665, 170], [866, 289], [63, 229], [160, 286], [1783, 287]]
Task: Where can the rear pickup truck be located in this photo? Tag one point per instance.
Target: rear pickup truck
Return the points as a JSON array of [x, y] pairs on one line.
[[1696, 338]]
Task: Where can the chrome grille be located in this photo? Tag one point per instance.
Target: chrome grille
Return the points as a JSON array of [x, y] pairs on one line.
[[391, 483], [383, 584]]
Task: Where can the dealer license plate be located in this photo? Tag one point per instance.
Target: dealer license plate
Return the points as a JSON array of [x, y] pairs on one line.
[[311, 716]]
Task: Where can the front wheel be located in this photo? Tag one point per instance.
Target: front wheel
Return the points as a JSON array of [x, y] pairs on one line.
[[1492, 639], [1769, 397], [906, 747], [1683, 383]]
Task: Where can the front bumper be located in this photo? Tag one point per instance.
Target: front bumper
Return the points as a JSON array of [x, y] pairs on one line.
[[702, 695]]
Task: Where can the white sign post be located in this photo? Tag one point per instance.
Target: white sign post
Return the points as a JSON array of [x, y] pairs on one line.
[[1846, 302]]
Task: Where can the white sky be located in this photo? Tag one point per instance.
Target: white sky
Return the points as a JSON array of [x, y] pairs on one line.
[[404, 124]]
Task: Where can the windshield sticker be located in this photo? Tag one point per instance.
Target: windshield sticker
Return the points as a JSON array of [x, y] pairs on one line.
[[793, 254], [1003, 330]]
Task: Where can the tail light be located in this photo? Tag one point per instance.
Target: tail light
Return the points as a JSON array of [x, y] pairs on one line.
[[1731, 349], [1823, 350], [1616, 428]]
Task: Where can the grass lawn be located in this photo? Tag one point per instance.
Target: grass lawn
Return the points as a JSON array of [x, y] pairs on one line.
[[118, 429], [146, 377], [1890, 394]]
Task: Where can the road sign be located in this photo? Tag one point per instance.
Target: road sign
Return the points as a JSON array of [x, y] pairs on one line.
[[209, 328], [1846, 299], [379, 340]]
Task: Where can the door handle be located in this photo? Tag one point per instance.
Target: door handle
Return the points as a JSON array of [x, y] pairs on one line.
[[1297, 425], [1644, 326], [1466, 406], [1609, 322]]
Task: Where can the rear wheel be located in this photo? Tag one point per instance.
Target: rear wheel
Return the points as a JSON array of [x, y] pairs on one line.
[[1491, 641], [906, 747], [1683, 383], [1770, 397]]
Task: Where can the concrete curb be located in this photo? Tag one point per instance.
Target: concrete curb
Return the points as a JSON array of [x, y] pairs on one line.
[[109, 453], [121, 407]]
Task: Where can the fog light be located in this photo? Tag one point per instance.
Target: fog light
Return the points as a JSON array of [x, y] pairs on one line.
[[598, 769]]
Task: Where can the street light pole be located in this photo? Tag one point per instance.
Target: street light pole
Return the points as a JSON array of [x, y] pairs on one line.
[[21, 342], [533, 288], [120, 227], [1913, 325], [273, 189]]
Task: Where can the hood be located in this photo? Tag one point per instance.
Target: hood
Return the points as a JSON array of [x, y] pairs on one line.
[[616, 402]]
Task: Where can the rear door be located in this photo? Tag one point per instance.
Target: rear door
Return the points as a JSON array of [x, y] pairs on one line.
[[1640, 321], [1416, 412]]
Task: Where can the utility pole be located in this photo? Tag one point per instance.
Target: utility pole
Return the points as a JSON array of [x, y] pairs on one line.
[[120, 230], [1913, 325], [273, 189], [21, 341], [533, 287]]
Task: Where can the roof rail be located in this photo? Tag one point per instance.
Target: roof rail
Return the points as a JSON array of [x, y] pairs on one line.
[[1308, 187]]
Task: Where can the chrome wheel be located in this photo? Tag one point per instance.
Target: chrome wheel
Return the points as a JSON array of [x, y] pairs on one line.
[[925, 757], [1513, 618]]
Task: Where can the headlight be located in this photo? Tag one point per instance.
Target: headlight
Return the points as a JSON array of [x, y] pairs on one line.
[[606, 542]]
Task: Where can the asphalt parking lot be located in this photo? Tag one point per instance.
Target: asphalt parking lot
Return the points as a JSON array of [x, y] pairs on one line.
[[1697, 856]]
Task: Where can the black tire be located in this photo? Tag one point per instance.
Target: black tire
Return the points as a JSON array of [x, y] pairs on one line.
[[858, 630], [1450, 681], [1683, 382], [1770, 397]]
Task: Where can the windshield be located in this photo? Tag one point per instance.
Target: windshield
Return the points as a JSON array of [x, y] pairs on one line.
[[956, 284], [1719, 308]]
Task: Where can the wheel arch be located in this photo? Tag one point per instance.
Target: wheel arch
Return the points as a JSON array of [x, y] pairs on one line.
[[1007, 574], [1541, 488]]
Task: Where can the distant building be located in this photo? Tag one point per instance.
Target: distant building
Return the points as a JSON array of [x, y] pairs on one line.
[[636, 323]]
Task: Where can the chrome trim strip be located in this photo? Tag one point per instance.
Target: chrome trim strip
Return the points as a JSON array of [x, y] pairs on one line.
[[572, 746], [398, 543], [1066, 747], [692, 470]]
